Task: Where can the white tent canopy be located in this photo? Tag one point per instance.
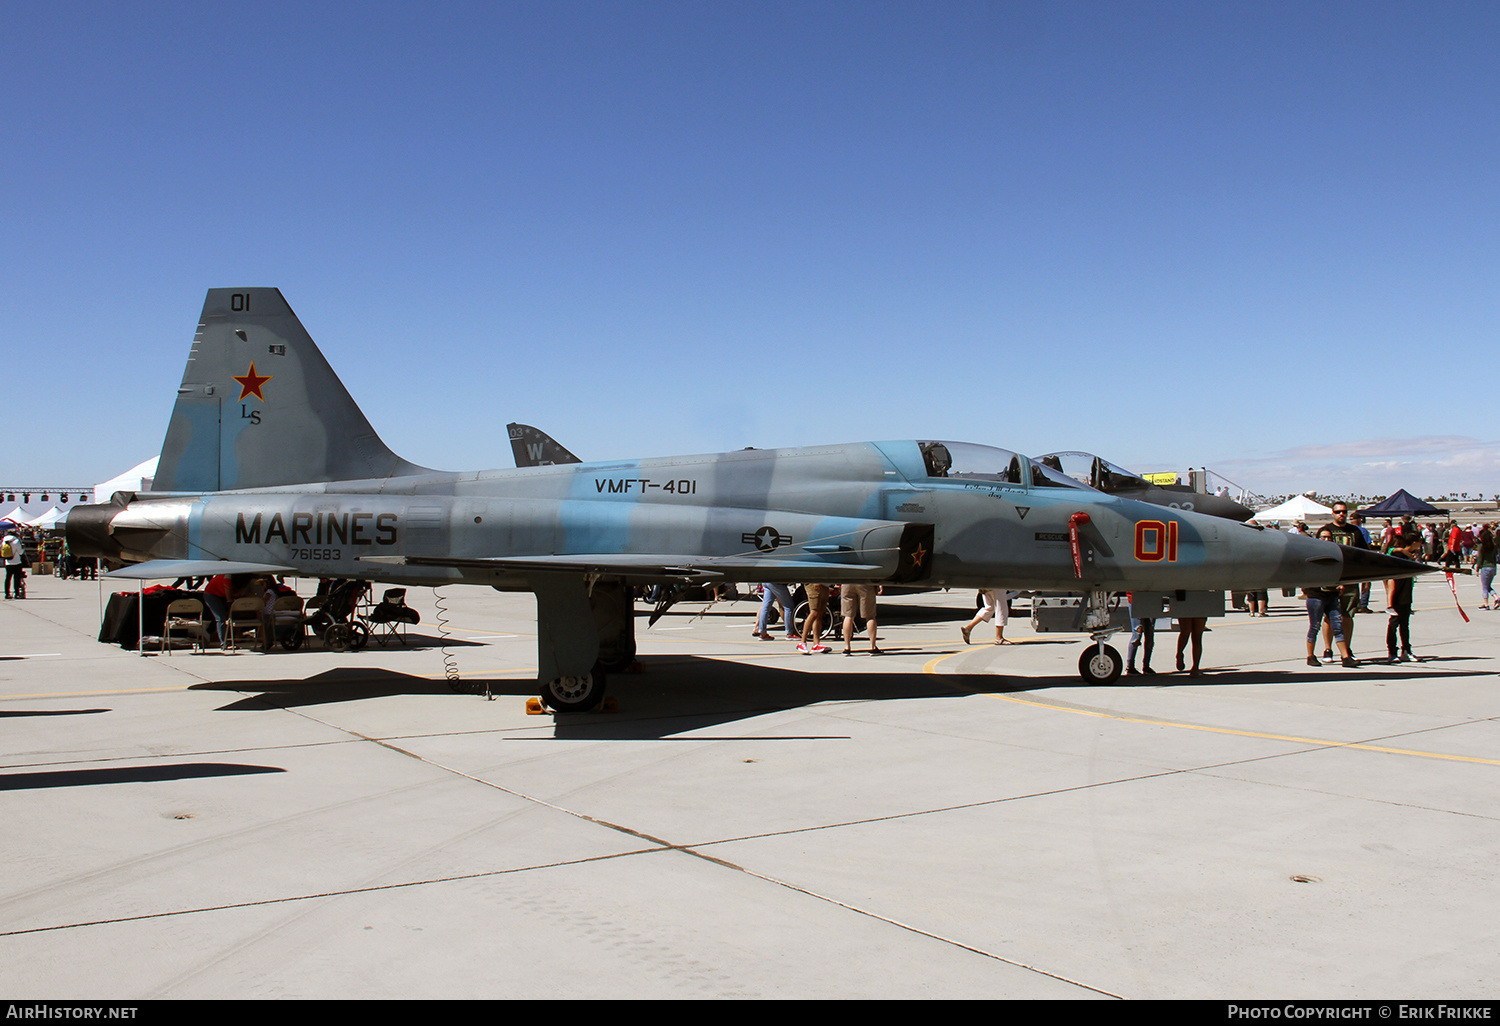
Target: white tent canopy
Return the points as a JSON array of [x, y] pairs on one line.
[[1297, 508], [137, 479], [48, 519]]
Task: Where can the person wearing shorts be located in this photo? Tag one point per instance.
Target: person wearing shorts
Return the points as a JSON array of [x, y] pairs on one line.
[[859, 600], [817, 610]]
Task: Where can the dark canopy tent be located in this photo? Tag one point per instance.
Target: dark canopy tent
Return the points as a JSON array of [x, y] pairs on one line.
[[1400, 503]]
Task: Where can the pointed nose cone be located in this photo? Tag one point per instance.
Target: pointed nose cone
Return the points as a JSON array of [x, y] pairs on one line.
[[1369, 565]]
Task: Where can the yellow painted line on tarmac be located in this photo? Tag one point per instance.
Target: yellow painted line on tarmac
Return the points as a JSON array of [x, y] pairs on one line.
[[113, 691], [931, 668]]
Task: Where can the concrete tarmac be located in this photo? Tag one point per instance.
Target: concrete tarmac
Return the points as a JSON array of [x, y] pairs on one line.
[[943, 821]]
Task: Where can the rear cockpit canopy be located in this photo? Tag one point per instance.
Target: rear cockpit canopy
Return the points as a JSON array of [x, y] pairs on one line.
[[1092, 470], [967, 461]]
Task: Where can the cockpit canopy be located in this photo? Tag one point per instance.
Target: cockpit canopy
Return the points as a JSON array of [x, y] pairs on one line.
[[1092, 470], [967, 461]]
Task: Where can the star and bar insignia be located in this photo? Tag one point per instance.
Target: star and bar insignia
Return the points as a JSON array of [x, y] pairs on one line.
[[251, 383], [766, 539]]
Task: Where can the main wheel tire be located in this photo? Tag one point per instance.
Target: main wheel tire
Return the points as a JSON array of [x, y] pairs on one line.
[[1100, 664], [576, 693]]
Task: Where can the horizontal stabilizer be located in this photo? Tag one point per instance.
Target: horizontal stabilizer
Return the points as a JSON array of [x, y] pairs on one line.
[[158, 569]]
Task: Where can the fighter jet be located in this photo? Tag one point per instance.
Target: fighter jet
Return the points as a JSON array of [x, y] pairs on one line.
[[268, 465], [533, 447], [1115, 480]]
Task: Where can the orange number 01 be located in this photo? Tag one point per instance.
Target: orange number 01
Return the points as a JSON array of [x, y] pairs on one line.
[[1156, 541]]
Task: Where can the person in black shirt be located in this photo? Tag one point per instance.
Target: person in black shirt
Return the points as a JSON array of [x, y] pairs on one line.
[[1398, 607], [1323, 610], [1344, 533]]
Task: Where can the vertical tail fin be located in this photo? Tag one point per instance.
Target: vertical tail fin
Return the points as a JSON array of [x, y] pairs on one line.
[[260, 407], [533, 447]]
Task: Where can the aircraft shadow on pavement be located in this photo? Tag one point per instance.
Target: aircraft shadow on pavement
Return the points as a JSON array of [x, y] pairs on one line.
[[50, 712], [679, 694], [1374, 672], [691, 693], [417, 642], [127, 775], [343, 684]]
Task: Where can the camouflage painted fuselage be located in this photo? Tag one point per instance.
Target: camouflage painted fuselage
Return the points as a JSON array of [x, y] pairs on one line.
[[859, 511]]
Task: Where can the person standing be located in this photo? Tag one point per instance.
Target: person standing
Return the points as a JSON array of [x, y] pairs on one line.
[[1344, 533], [995, 604], [1484, 565], [1455, 552], [859, 600], [817, 609], [13, 553], [1398, 595], [777, 594], [1323, 611], [1143, 637], [1191, 628]]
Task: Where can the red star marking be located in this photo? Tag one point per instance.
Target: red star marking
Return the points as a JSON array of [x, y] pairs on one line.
[[917, 555], [250, 383]]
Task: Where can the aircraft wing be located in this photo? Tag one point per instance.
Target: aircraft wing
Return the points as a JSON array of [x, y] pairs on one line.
[[666, 566], [157, 569]]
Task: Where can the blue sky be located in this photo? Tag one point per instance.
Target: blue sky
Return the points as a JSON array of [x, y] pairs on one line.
[[1260, 237]]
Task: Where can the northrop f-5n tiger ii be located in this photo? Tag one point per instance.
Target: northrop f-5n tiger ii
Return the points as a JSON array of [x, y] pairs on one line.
[[269, 466]]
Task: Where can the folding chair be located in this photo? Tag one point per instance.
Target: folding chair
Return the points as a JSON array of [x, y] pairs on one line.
[[389, 617], [246, 616], [289, 625], [185, 616]]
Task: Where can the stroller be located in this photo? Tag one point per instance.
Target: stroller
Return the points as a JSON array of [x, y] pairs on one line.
[[330, 614]]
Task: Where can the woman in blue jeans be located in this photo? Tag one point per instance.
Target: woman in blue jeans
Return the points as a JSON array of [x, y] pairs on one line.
[[1484, 566]]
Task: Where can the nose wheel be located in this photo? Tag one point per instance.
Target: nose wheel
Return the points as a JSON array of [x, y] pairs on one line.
[[1100, 664]]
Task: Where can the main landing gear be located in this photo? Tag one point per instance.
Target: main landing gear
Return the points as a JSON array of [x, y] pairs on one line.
[[574, 693], [585, 629]]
